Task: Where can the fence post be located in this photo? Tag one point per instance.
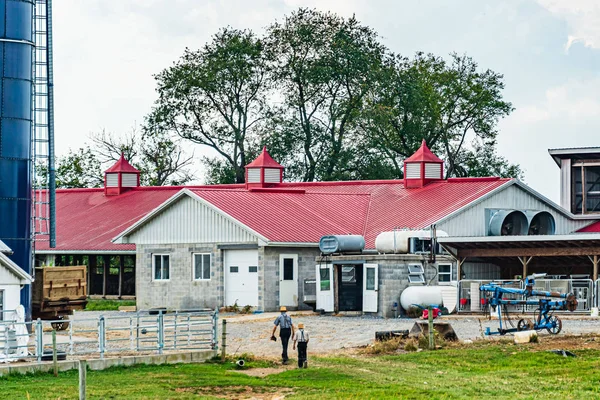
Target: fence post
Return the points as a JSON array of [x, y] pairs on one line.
[[224, 340], [54, 357], [82, 378], [161, 332], [101, 336], [6, 346], [215, 338], [71, 346], [39, 339], [431, 336], [175, 331]]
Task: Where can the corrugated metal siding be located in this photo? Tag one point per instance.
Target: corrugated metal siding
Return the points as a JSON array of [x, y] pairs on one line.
[[481, 271], [565, 183], [189, 221], [253, 175], [433, 171], [112, 180], [471, 222], [413, 171], [272, 175], [129, 180]]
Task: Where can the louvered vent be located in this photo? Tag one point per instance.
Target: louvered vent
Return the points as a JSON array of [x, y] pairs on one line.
[[129, 180], [413, 171], [112, 180], [253, 175], [272, 175], [433, 171]]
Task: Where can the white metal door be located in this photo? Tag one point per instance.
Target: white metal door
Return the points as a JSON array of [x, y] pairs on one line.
[[241, 277], [325, 283], [288, 280], [370, 287]]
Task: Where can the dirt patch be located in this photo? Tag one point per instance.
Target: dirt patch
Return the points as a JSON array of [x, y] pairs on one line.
[[239, 392]]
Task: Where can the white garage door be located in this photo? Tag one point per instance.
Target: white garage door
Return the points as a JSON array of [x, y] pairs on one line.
[[241, 277]]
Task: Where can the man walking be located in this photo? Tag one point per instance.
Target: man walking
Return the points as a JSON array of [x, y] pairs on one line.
[[301, 338], [286, 330]]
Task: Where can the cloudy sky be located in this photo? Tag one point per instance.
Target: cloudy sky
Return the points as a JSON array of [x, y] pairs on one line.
[[106, 52]]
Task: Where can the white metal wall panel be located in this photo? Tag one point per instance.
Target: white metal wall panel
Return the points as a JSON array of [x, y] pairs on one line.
[[253, 175], [565, 184], [7, 277], [272, 175], [190, 221], [112, 180], [471, 222], [433, 171], [129, 180], [413, 171]]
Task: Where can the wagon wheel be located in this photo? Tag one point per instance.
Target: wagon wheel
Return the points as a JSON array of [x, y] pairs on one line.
[[61, 325], [556, 325], [524, 325]]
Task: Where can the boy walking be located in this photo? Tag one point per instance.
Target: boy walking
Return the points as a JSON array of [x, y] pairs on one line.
[[301, 337]]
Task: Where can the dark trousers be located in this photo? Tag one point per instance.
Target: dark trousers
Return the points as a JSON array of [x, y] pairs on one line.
[[302, 353], [284, 334]]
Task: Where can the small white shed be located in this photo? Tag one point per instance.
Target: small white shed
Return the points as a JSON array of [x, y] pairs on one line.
[[12, 278]]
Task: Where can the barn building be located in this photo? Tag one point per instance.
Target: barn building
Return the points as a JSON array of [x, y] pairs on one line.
[[257, 243]]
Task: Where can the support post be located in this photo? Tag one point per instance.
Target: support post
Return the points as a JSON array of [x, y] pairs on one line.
[[431, 336], [39, 339], [223, 340], [82, 378], [459, 263], [525, 262], [595, 262], [54, 357]]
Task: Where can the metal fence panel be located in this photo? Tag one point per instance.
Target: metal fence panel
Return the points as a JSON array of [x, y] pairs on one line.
[[131, 332]]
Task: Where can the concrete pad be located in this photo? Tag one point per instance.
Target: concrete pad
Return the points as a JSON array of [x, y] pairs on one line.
[[127, 308]]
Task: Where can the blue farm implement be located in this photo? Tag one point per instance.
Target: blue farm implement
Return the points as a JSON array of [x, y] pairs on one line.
[[546, 302]]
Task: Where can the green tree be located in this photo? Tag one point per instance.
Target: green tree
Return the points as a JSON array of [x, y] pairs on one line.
[[77, 169], [216, 97], [157, 154], [449, 104], [324, 66]]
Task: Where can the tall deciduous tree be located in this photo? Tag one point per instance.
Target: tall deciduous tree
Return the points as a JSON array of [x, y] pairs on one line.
[[452, 105], [77, 169], [325, 66], [216, 97]]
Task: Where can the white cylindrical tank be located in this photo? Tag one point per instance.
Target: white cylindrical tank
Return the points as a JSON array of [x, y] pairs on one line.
[[421, 295], [397, 241]]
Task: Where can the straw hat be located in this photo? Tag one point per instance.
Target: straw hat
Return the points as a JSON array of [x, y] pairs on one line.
[[283, 308], [300, 325]]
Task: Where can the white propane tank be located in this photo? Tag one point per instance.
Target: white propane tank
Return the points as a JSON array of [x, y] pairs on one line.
[[421, 295], [396, 242]]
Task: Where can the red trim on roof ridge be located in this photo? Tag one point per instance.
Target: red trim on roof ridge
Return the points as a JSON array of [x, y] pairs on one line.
[[477, 179], [346, 183], [276, 190]]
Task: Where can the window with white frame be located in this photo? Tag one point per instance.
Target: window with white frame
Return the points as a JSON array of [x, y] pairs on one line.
[[446, 273], [416, 274], [161, 267], [201, 266]]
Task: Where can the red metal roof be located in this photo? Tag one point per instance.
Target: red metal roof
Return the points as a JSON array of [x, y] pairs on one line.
[[122, 165], [88, 220], [423, 155], [595, 227], [362, 208], [264, 160]]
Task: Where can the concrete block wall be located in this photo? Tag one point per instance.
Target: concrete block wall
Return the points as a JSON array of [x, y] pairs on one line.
[[306, 270], [181, 291]]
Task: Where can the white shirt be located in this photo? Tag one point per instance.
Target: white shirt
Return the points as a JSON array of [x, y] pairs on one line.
[[301, 336]]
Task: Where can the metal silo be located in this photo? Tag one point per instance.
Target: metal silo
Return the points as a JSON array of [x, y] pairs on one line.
[[16, 114]]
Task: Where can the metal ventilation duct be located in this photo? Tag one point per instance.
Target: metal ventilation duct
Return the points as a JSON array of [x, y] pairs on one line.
[[508, 223], [540, 223]]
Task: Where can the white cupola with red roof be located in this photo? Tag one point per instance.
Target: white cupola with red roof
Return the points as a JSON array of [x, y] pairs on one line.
[[422, 168], [264, 171], [121, 177]]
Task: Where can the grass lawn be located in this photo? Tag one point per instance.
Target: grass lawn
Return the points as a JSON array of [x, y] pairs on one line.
[[107, 305], [480, 371]]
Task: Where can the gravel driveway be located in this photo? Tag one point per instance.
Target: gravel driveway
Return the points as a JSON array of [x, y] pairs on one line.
[[251, 333]]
